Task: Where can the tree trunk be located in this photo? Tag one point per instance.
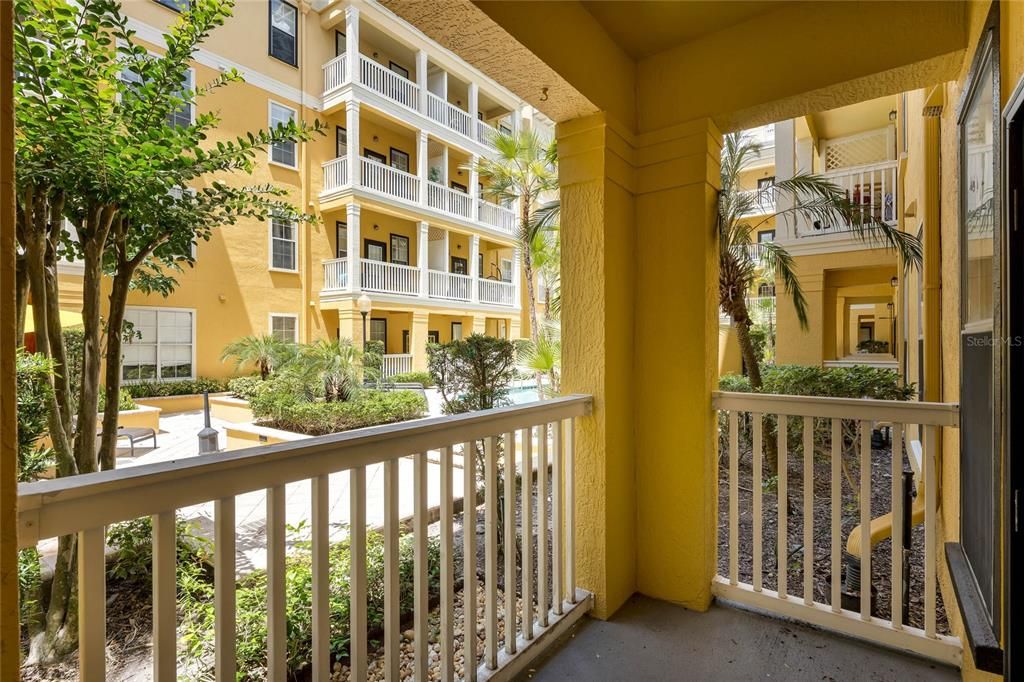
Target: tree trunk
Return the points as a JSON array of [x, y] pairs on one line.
[[112, 388], [524, 217], [750, 358], [21, 300]]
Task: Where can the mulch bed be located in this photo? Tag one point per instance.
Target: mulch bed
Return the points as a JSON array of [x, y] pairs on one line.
[[881, 558]]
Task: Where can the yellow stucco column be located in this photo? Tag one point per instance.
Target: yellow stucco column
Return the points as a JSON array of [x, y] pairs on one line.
[[479, 324], [418, 340], [675, 361], [350, 324], [514, 329]]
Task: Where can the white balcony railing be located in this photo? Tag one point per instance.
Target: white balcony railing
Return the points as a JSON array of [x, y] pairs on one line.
[[834, 437], [335, 73], [872, 189], [335, 174], [389, 278], [497, 216], [497, 292], [763, 201], [388, 83], [336, 274], [449, 200], [449, 115], [84, 505], [449, 286], [387, 180], [395, 363], [485, 133]]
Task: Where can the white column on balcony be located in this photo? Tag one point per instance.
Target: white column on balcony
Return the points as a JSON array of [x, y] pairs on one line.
[[444, 166], [423, 258], [447, 253], [421, 79], [352, 45], [352, 141], [517, 277], [474, 185], [352, 247], [474, 108], [785, 168], [423, 165], [517, 121], [474, 268]]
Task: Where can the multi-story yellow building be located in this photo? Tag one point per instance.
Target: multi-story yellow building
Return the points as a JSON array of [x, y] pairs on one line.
[[402, 217]]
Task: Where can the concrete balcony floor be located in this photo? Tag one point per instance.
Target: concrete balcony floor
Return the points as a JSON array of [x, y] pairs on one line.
[[654, 640]]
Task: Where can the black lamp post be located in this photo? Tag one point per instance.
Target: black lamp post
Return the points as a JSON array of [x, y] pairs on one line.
[[364, 309]]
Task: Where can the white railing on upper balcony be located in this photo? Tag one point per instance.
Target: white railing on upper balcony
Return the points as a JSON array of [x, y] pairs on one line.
[[335, 274], [395, 363], [485, 133], [762, 201], [449, 200], [872, 189], [389, 278], [531, 443], [496, 292], [497, 216], [825, 450], [388, 83], [449, 115], [387, 180], [335, 174], [335, 73], [449, 285]]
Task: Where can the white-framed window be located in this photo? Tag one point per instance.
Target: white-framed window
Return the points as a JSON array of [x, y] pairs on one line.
[[284, 153], [284, 327], [284, 32], [185, 114], [506, 269], [284, 244], [161, 346]]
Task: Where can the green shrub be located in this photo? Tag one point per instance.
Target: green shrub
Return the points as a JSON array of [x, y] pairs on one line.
[[873, 346], [473, 373], [251, 595], [33, 390], [284, 410], [245, 387], [132, 561], [124, 400], [734, 382], [161, 389], [423, 378], [373, 355]]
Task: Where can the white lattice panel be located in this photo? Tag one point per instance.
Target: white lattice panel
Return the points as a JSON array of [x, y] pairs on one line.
[[857, 150]]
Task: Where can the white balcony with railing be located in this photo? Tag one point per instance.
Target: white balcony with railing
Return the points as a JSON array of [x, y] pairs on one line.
[[336, 274], [335, 174], [449, 286], [450, 201], [384, 179], [871, 189], [829, 441], [497, 292], [395, 363], [531, 443], [497, 216], [449, 115], [335, 73], [485, 133], [389, 278], [386, 82]]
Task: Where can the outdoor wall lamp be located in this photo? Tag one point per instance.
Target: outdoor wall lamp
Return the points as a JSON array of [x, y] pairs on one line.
[[894, 281]]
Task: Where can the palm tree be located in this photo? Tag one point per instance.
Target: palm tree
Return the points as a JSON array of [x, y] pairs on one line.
[[814, 198], [546, 255], [545, 357], [266, 352], [523, 169], [335, 363]]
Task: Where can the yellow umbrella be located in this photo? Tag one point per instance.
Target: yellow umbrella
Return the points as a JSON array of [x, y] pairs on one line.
[[68, 318]]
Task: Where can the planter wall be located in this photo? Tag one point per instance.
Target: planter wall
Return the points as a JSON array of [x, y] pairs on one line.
[[230, 409], [241, 436], [173, 404], [143, 416]]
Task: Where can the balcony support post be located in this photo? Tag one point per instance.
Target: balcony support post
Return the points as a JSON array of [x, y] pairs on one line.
[[474, 108], [447, 254], [354, 243], [418, 340], [785, 168], [352, 141], [474, 268], [423, 257], [421, 79], [517, 276], [423, 165], [474, 183], [352, 46], [444, 165], [517, 121]]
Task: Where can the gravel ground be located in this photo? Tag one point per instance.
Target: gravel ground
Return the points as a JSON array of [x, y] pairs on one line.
[[881, 558]]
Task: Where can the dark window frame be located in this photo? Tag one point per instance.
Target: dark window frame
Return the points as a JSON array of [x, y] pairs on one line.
[[376, 156], [408, 248], [392, 153], [178, 6], [463, 261], [433, 336], [459, 187], [367, 243], [339, 34], [399, 69], [369, 331], [270, 33], [462, 331], [764, 232], [338, 132], [340, 248]]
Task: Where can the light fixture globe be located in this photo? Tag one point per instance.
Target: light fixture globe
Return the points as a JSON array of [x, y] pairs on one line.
[[364, 303]]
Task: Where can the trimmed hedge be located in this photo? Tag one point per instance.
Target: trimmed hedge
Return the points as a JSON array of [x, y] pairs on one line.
[[162, 389], [423, 378], [245, 387], [124, 400], [283, 410]]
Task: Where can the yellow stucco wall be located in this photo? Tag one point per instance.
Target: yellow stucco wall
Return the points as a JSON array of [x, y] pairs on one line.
[[729, 359]]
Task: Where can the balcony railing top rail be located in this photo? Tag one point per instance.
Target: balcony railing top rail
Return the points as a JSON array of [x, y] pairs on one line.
[[842, 430], [543, 431], [872, 189]]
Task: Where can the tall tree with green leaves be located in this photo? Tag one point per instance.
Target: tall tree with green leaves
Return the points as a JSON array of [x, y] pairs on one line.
[[100, 142], [814, 198]]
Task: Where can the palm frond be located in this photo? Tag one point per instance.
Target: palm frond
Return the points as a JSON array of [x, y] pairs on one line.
[[777, 261]]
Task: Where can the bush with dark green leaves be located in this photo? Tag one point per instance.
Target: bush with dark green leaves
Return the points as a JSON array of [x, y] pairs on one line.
[[291, 412], [161, 389], [422, 378], [124, 400], [251, 596], [473, 373], [245, 387]]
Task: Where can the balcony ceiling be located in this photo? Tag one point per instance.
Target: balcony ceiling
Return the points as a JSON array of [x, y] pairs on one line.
[[645, 28], [855, 118]]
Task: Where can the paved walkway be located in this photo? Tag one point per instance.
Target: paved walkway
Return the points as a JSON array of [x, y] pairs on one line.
[[178, 439]]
